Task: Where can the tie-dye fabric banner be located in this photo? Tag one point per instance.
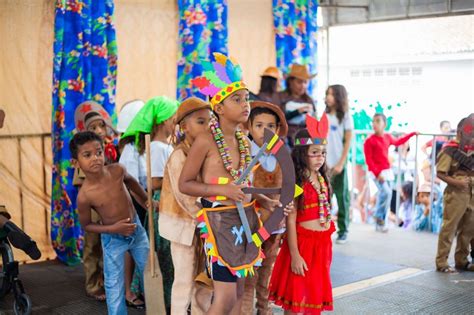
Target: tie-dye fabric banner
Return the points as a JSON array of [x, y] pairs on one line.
[[202, 31], [85, 68], [295, 31]]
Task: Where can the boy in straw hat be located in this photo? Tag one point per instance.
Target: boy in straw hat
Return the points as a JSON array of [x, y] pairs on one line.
[[218, 159], [295, 101], [177, 221], [266, 174]]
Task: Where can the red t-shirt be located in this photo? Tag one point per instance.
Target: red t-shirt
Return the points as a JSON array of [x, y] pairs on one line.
[[376, 151]]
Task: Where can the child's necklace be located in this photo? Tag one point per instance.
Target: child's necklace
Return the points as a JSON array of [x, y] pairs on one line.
[[224, 150], [323, 203]]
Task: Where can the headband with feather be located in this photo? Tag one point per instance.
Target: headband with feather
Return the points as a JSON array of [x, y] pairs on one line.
[[318, 130], [219, 79]]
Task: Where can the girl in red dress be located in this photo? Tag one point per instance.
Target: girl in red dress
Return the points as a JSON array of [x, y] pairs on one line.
[[300, 281]]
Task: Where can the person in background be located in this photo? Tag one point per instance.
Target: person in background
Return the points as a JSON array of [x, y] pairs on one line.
[[339, 142], [156, 118], [295, 101], [399, 164], [269, 86], [376, 156], [424, 212], [128, 111], [445, 128], [406, 206], [455, 166]]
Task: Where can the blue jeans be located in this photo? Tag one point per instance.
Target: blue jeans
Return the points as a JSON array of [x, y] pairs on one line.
[[114, 247], [384, 195]]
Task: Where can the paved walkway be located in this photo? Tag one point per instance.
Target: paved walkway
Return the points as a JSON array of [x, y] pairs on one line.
[[372, 273]]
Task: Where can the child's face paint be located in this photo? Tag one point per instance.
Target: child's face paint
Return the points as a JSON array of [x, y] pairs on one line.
[[236, 107], [258, 125], [195, 123], [316, 156], [98, 127], [378, 124], [90, 157]]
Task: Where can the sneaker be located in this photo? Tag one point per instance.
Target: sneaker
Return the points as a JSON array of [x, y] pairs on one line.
[[341, 239], [381, 228]]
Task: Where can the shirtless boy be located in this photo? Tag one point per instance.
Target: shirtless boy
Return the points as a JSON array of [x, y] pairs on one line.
[[105, 190], [215, 161]]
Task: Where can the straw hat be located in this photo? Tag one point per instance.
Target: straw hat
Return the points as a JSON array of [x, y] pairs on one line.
[[190, 105], [300, 72], [272, 72], [274, 108]]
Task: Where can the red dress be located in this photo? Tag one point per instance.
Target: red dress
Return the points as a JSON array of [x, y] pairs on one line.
[[312, 293]]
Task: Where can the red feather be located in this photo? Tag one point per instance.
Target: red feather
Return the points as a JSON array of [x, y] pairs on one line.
[[317, 129], [323, 127], [200, 82], [312, 125]]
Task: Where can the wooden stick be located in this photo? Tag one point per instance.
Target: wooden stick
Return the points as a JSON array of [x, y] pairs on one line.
[[151, 226]]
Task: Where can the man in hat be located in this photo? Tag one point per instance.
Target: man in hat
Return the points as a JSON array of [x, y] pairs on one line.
[[295, 101]]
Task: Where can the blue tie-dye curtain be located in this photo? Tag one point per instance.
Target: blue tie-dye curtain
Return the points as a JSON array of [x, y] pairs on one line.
[[295, 31], [202, 31], [85, 68]]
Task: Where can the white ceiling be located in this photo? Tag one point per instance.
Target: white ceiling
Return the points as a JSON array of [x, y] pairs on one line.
[[337, 12]]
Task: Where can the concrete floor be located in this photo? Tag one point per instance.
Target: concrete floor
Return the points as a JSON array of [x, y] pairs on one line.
[[372, 273]]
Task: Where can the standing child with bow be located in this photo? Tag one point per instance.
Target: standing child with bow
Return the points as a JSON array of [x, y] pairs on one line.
[[301, 281]]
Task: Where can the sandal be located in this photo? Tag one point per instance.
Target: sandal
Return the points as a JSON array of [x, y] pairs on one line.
[[99, 297], [134, 305], [467, 267], [447, 269]]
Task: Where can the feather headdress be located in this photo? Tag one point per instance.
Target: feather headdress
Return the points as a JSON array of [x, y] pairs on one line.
[[318, 130], [219, 78]]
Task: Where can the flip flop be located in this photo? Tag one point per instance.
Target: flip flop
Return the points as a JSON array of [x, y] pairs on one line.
[[447, 269], [132, 304], [467, 267]]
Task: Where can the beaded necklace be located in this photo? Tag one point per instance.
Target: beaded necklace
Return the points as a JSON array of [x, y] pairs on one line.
[[323, 203], [224, 150]]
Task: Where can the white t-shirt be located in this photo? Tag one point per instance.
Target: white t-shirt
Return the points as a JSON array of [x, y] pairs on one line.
[[335, 144], [134, 163], [160, 152]]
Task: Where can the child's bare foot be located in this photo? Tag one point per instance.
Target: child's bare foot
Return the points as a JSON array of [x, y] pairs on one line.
[[98, 296]]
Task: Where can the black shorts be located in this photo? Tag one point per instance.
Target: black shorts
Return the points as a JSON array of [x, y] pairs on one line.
[[220, 273]]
